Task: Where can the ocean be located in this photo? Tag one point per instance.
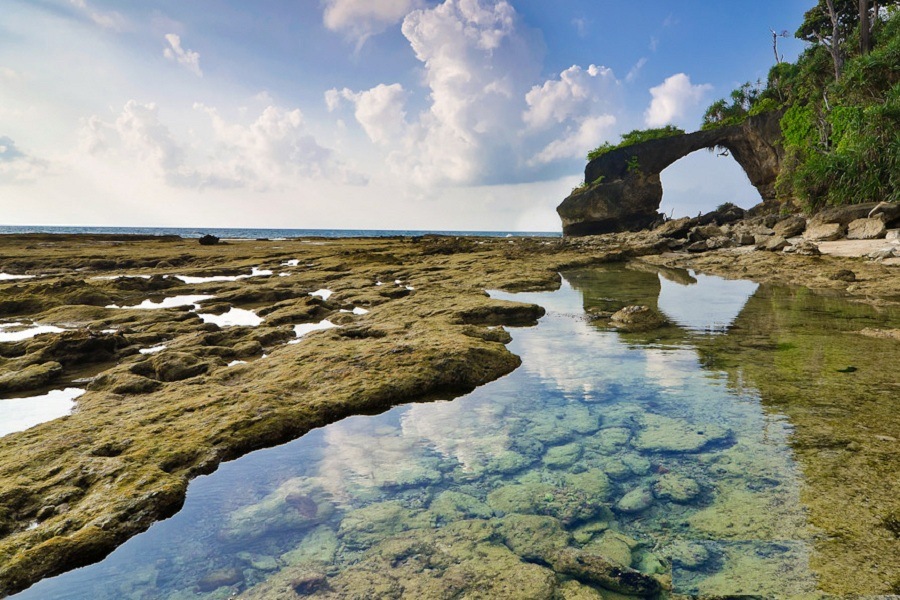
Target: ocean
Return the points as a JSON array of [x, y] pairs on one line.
[[258, 233]]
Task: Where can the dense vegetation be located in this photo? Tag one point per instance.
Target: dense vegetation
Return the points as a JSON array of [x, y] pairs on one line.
[[636, 136], [841, 104]]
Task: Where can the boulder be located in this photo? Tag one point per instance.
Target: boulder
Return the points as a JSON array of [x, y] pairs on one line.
[[31, 377], [790, 226], [635, 501], [676, 488], [866, 229], [637, 318], [824, 232], [775, 243], [590, 567], [208, 240]]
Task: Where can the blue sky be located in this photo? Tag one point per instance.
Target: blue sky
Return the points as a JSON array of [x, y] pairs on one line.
[[376, 114]]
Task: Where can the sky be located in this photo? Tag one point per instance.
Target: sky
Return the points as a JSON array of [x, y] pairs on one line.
[[358, 114]]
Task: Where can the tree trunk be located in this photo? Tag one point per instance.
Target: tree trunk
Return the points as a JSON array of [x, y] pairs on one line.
[[865, 28], [837, 53]]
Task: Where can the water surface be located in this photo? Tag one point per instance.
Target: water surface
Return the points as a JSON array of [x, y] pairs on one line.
[[652, 449]]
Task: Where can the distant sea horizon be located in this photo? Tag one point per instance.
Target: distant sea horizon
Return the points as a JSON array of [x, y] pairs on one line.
[[252, 233]]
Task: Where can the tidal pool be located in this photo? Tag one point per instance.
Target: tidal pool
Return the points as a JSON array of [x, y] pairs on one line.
[[687, 453]]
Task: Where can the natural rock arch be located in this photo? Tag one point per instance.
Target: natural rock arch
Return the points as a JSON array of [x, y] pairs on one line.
[[623, 190]]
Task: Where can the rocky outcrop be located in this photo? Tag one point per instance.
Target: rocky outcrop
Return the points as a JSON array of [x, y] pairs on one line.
[[622, 190]]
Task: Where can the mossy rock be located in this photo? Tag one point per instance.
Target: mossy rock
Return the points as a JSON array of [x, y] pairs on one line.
[[667, 435], [31, 377], [454, 506]]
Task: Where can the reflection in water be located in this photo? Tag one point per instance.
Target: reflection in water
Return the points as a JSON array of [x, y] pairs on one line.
[[710, 304], [634, 447]]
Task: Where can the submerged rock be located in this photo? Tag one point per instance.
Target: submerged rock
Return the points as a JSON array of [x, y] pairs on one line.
[[454, 506], [637, 318], [664, 434], [590, 567], [290, 507], [635, 501], [676, 488]]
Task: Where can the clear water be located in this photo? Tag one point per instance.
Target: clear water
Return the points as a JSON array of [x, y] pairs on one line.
[[634, 444]]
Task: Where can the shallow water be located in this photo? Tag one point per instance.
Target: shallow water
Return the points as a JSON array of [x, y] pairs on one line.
[[19, 414], [652, 449]]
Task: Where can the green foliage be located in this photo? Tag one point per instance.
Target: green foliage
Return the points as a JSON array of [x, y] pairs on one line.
[[841, 136], [633, 166], [636, 136]]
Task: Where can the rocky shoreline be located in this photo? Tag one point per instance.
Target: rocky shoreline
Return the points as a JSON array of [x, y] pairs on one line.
[[171, 394]]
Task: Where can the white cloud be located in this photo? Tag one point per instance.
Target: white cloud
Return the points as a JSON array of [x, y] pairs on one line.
[[188, 58], [272, 152], [576, 142], [380, 111], [636, 69], [478, 63], [17, 167], [672, 100], [111, 20], [574, 92], [360, 19]]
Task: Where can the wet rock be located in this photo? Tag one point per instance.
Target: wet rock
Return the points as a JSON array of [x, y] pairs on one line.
[[636, 463], [824, 232], [791, 226], [610, 439], [676, 488], [175, 366], [291, 507], [560, 457], [843, 275], [507, 463], [637, 318], [688, 555], [208, 240], [32, 376], [866, 229], [220, 578], [616, 469], [664, 434], [575, 590], [454, 506], [615, 546], [649, 563], [533, 537], [635, 501], [308, 583], [318, 546], [585, 532], [595, 569], [80, 347], [124, 383], [367, 526], [577, 501]]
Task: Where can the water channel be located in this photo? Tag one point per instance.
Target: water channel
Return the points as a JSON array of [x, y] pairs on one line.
[[694, 453]]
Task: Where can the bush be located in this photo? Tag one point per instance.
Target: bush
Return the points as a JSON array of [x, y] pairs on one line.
[[637, 136]]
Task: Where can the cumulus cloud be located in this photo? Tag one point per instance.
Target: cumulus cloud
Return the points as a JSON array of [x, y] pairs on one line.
[[575, 142], [271, 152], [111, 20], [380, 111], [558, 100], [187, 58], [672, 100], [360, 19], [16, 166]]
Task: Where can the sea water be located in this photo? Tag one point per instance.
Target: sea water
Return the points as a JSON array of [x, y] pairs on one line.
[[648, 448]]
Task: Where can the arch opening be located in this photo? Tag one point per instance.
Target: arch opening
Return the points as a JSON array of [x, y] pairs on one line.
[[702, 181]]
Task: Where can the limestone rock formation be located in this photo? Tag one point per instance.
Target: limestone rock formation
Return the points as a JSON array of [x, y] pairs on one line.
[[622, 190]]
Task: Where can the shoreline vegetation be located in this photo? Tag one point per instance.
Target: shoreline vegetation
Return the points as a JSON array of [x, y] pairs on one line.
[[152, 418]]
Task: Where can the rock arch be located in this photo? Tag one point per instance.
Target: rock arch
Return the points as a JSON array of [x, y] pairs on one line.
[[627, 191]]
